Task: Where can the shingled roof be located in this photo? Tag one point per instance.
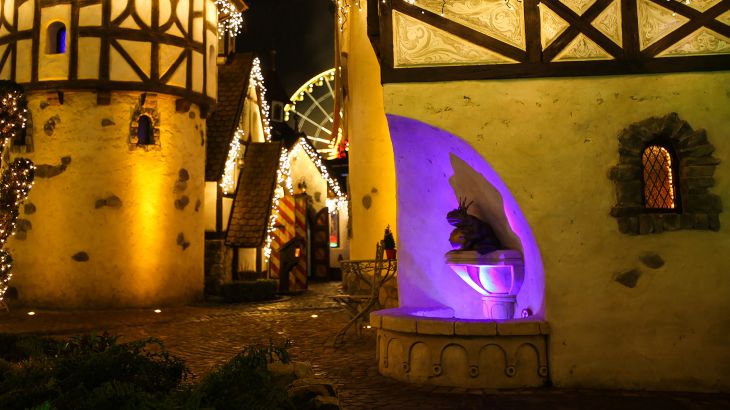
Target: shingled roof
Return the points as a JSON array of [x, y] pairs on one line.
[[254, 193], [232, 86]]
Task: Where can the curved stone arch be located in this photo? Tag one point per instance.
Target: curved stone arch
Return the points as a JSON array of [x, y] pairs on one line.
[[695, 175]]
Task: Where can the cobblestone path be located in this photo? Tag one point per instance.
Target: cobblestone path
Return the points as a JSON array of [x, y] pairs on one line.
[[208, 335]]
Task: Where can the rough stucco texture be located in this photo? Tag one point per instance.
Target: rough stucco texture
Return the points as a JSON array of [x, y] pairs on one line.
[[552, 141], [134, 258], [371, 179]]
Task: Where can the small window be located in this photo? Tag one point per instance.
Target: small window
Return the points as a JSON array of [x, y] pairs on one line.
[[56, 39], [144, 130], [659, 190]]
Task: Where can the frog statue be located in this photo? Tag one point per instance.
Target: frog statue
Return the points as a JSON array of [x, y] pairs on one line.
[[471, 233]]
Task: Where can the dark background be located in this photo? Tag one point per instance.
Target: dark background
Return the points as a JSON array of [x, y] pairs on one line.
[[301, 31]]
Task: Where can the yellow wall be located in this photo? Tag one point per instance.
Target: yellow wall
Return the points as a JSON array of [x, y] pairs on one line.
[[133, 250], [553, 141], [371, 179]]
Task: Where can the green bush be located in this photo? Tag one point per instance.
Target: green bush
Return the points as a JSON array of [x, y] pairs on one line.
[[89, 372], [95, 372], [246, 291], [245, 379]]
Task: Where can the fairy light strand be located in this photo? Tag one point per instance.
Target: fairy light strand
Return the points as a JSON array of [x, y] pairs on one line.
[[228, 182], [283, 179], [257, 79], [230, 19], [16, 179]]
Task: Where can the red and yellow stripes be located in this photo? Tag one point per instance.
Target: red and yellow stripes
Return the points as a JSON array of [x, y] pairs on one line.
[[298, 275], [284, 232]]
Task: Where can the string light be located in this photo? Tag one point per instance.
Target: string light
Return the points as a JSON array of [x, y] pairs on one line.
[[340, 200], [282, 179], [230, 19], [228, 182], [17, 177], [343, 10], [257, 79]]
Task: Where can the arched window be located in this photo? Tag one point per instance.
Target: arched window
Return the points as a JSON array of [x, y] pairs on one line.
[[56, 38], [145, 131], [658, 179]]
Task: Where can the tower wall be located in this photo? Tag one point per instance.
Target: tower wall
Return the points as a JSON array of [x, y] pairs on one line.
[[111, 224], [112, 221]]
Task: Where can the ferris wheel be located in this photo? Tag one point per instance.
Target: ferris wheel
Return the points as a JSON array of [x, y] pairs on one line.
[[312, 107]]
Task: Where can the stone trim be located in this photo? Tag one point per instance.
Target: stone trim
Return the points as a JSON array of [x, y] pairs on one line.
[[147, 106], [698, 208]]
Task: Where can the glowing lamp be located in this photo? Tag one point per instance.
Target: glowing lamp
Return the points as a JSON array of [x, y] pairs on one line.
[[497, 276]]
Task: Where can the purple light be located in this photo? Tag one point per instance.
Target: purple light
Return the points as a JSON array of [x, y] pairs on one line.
[[434, 168], [61, 40]]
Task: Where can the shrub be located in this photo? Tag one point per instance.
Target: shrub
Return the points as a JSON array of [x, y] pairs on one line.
[[245, 379], [90, 372], [245, 291]]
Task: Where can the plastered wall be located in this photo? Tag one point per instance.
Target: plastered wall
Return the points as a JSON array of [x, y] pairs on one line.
[[371, 178], [108, 225], [552, 141]]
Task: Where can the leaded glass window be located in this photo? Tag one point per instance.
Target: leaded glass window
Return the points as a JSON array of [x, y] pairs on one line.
[[658, 180]]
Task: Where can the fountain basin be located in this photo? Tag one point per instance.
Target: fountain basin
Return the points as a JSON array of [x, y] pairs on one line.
[[497, 276], [432, 347]]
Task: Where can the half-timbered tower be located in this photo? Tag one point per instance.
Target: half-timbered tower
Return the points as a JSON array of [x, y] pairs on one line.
[[118, 92]]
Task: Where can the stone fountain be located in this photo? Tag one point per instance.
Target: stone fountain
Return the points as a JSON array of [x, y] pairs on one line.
[[497, 351]]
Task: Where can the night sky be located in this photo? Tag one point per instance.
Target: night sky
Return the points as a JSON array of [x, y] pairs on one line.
[[300, 30]]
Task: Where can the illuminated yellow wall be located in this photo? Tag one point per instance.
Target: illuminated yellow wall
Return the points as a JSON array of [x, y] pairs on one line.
[[371, 178], [143, 250], [553, 141]]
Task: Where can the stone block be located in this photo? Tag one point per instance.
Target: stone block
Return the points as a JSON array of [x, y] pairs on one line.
[[399, 323], [376, 320], [646, 224], [701, 221], [658, 223], [651, 260], [699, 150], [713, 222], [326, 403], [692, 171], [628, 192], [435, 326], [518, 328], [687, 221], [475, 328], [706, 160], [629, 278], [628, 225], [625, 173], [697, 182], [671, 222]]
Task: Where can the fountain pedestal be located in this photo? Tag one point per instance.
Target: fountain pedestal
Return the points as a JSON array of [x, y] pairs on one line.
[[497, 276]]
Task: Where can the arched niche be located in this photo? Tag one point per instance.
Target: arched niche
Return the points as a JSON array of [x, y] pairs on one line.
[[433, 169]]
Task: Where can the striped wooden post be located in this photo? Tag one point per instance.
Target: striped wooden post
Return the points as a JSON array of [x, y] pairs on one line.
[[298, 275], [283, 233]]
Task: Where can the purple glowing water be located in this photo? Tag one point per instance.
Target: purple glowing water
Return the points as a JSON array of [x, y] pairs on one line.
[[433, 169]]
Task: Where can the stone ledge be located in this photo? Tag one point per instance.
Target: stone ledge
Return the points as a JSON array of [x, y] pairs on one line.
[[414, 321]]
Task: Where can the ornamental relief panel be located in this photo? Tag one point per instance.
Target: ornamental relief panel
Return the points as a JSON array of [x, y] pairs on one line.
[[582, 49], [702, 5], [551, 26], [578, 6], [655, 22], [609, 22], [416, 43], [701, 42], [495, 18], [724, 18]]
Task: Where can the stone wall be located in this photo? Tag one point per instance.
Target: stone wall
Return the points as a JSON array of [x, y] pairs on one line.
[[109, 223]]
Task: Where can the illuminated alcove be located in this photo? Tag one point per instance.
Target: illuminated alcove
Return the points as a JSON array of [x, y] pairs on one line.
[[433, 170]]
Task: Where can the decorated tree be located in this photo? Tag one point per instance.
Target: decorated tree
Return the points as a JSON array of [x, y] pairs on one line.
[[16, 177]]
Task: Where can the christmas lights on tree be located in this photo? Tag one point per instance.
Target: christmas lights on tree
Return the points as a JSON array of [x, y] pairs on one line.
[[16, 178]]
